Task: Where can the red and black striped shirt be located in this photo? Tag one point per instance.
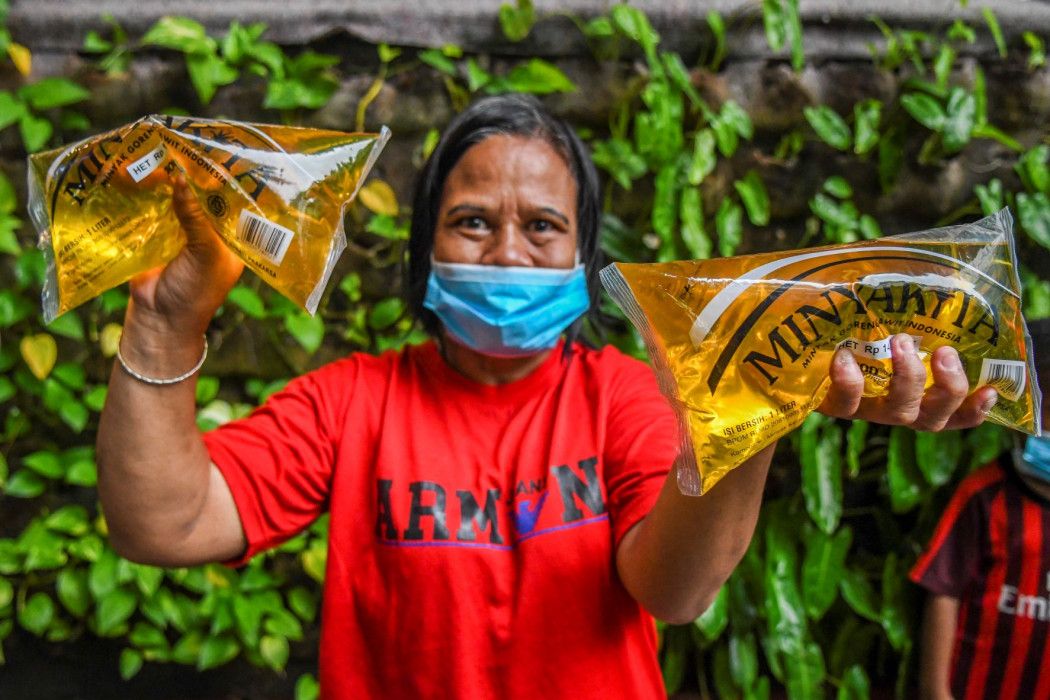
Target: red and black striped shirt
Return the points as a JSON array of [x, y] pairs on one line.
[[991, 551]]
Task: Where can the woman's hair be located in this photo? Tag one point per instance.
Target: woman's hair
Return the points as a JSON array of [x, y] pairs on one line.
[[506, 115]]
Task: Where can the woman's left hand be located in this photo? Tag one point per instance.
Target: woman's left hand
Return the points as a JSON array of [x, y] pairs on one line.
[[946, 405]]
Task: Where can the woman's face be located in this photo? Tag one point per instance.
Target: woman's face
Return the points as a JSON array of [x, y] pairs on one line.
[[510, 201]]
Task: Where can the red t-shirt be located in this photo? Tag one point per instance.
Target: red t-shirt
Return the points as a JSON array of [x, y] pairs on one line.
[[473, 528], [991, 551]]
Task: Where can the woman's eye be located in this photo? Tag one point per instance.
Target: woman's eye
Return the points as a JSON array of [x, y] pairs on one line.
[[472, 222], [542, 226]]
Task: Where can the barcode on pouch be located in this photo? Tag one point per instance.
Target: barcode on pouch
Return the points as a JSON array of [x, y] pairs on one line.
[[1007, 376], [265, 236]]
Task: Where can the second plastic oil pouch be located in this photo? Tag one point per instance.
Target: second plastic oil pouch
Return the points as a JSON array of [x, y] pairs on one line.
[[275, 194]]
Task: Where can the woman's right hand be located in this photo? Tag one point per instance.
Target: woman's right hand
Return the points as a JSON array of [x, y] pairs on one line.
[[181, 297]]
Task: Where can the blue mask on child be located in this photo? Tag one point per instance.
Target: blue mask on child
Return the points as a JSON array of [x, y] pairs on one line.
[[1035, 460], [506, 311]]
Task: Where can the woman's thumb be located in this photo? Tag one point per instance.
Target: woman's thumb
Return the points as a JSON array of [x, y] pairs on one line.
[[200, 232]]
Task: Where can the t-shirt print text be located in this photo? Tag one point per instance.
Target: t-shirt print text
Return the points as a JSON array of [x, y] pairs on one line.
[[1034, 607], [436, 515]]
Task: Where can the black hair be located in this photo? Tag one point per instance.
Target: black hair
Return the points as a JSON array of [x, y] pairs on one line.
[[507, 115]]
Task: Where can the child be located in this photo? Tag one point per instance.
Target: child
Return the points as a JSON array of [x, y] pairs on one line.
[[987, 571]]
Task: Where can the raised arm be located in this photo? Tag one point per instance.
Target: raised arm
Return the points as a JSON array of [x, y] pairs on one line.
[[676, 558], [165, 502]]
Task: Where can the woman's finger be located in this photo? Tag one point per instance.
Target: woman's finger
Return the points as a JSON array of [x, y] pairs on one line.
[[974, 409], [847, 386], [948, 392], [903, 400]]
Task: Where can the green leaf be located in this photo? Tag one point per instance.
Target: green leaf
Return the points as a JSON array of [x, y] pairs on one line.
[[24, 484], [538, 77], [130, 663], [1032, 169], [773, 21], [94, 43], [859, 594], [283, 623], [829, 126], [216, 651], [821, 455], [307, 688], [903, 477], [960, 119], [179, 33], [753, 194], [617, 157], [691, 214], [1036, 50], [50, 93], [823, 566], [925, 109], [729, 226], [990, 196], [477, 77], [303, 603], [855, 445], [942, 65], [987, 131], [274, 651], [937, 455], [718, 30], [36, 132], [307, 330], [70, 519], [785, 611], [7, 594], [438, 60], [208, 72], [866, 117], [1033, 210], [11, 109], [75, 415], [385, 313], [743, 659], [995, 29], [804, 673], [714, 620], [82, 473], [248, 301], [102, 576], [113, 611], [44, 463], [72, 590], [37, 613], [679, 75], [665, 198], [893, 616], [145, 636], [517, 20], [673, 659], [838, 187], [735, 116], [704, 159], [855, 685], [72, 375], [843, 215], [635, 25]]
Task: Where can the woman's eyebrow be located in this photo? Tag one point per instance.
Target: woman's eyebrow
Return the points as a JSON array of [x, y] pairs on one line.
[[555, 213], [471, 208]]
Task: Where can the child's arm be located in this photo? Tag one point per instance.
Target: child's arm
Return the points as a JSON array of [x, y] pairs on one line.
[[938, 637]]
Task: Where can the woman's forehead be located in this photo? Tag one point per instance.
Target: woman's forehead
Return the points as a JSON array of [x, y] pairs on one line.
[[517, 161]]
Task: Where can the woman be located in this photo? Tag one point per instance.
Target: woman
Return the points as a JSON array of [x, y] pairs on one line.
[[503, 521]]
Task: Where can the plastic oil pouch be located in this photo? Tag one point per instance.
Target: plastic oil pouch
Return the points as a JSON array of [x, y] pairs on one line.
[[742, 346], [276, 194]]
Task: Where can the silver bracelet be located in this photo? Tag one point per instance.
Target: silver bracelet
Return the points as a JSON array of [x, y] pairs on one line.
[[163, 382]]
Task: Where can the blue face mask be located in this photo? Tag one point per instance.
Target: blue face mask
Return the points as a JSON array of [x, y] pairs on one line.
[[1035, 460], [506, 311]]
